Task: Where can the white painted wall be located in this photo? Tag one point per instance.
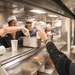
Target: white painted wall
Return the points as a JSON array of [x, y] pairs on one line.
[[66, 32]]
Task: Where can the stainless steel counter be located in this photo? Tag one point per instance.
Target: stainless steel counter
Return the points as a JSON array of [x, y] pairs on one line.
[[11, 59], [21, 50], [10, 54]]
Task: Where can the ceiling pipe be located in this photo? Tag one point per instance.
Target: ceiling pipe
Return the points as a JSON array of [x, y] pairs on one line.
[[63, 7]]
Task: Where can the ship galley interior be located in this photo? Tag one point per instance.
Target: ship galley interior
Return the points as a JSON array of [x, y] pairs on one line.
[[26, 26]]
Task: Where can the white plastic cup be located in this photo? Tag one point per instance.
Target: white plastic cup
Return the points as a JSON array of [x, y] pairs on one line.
[[14, 44]]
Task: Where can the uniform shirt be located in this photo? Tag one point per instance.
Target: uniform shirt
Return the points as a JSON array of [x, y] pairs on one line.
[[52, 31], [1, 38], [33, 32], [6, 40]]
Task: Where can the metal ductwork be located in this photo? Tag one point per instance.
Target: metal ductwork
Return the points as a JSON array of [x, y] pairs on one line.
[[56, 6], [63, 7]]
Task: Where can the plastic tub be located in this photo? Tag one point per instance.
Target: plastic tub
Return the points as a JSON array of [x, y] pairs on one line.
[[38, 59], [28, 68]]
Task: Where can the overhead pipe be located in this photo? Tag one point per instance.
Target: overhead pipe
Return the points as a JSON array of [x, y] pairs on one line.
[[37, 4], [63, 7]]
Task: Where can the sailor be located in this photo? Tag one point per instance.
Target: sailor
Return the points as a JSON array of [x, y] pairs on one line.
[[18, 32]]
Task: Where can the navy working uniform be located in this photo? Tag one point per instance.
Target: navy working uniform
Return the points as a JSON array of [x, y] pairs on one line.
[[33, 32], [63, 64], [6, 40]]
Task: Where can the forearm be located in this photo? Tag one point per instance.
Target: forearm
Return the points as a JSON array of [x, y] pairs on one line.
[[7, 30], [2, 32], [72, 68], [15, 29], [12, 29]]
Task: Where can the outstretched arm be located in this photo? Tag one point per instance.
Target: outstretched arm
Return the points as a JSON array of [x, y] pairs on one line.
[[42, 35], [60, 60], [12, 29], [63, 64], [7, 30]]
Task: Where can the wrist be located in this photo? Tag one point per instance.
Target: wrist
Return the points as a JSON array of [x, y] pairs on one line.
[[47, 40]]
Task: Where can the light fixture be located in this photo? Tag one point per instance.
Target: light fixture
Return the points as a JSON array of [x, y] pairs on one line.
[[14, 6], [52, 15], [16, 10], [37, 11]]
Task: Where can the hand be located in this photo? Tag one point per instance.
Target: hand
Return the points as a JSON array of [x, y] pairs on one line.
[[25, 32], [73, 50], [53, 33], [42, 35]]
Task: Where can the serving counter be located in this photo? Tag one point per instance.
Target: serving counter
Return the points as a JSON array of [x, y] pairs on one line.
[[10, 62]]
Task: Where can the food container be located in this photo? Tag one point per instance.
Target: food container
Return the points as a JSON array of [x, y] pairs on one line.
[[2, 50], [31, 42], [39, 59], [28, 68]]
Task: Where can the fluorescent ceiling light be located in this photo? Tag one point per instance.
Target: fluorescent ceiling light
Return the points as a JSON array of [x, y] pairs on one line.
[[15, 11], [14, 5], [52, 15], [38, 11]]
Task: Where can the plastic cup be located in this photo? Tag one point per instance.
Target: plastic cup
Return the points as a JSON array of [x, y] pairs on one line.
[[14, 44]]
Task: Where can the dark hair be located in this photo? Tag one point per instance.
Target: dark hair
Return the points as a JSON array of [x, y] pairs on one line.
[[26, 26], [28, 23]]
